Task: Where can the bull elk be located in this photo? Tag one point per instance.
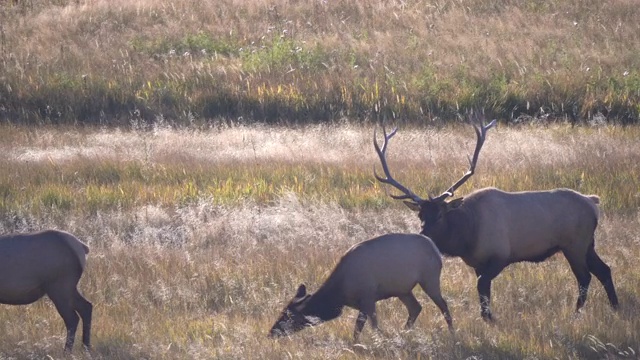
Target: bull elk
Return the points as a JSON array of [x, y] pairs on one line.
[[46, 263], [387, 266], [490, 229]]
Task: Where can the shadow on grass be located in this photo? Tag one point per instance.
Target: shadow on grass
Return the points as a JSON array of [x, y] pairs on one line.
[[435, 345], [116, 350], [628, 304], [594, 347]]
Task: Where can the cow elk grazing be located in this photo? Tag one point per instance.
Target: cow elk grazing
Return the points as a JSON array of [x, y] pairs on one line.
[[49, 262], [387, 266], [490, 229]]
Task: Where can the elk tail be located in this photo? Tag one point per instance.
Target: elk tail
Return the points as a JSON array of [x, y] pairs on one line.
[[79, 248], [595, 201]]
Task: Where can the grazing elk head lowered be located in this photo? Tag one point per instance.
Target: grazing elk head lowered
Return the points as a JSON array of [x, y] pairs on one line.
[[490, 229], [387, 266]]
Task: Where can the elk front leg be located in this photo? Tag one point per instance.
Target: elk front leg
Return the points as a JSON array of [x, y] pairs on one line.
[[362, 318], [367, 310], [485, 275]]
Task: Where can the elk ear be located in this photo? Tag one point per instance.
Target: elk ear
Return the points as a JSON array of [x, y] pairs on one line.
[[302, 291], [412, 205], [455, 203]]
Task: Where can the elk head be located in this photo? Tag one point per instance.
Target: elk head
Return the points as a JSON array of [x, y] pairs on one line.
[[292, 318], [433, 209]]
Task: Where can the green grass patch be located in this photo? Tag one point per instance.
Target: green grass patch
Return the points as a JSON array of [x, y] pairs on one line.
[[81, 186]]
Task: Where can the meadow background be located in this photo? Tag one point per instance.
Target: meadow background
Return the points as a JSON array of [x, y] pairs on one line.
[[216, 154], [291, 61]]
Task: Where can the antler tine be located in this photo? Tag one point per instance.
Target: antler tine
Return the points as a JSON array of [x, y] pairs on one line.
[[388, 179], [481, 134]]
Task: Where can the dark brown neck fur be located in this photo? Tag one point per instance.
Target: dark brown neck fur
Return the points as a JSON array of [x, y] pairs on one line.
[[453, 233], [326, 303]]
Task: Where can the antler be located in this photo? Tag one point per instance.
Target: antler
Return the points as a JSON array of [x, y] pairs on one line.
[[481, 133], [408, 194]]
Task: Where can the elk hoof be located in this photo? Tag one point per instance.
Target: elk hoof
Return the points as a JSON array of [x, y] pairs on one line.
[[487, 317]]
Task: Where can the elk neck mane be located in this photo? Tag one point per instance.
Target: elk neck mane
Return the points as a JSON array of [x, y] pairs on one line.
[[454, 233]]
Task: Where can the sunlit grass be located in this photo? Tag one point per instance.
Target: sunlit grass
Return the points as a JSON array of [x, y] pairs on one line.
[[199, 237], [123, 170]]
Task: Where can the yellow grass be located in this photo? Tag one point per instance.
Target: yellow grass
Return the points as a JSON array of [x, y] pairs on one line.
[[100, 61], [204, 279]]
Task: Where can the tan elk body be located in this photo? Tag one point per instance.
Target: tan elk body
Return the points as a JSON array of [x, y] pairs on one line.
[[46, 263], [490, 229], [387, 266], [525, 226]]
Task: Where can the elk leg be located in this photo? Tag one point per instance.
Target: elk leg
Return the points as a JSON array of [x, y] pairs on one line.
[[603, 272], [432, 289], [360, 320], [485, 275], [413, 307], [85, 309], [367, 310], [63, 303], [581, 272]]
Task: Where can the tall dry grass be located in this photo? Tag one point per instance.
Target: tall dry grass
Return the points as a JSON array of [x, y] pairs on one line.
[[98, 61], [205, 278]]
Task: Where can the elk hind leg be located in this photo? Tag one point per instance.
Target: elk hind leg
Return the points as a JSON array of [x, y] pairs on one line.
[[85, 309], [603, 272], [581, 271], [63, 299], [432, 289], [413, 307]]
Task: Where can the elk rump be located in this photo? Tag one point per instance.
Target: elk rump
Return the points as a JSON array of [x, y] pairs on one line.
[[47, 263]]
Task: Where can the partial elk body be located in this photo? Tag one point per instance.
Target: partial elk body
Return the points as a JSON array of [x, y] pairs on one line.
[[387, 266], [46, 263], [490, 229]]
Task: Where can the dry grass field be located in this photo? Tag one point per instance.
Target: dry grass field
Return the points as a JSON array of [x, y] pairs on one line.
[[288, 61], [179, 139], [199, 237]]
